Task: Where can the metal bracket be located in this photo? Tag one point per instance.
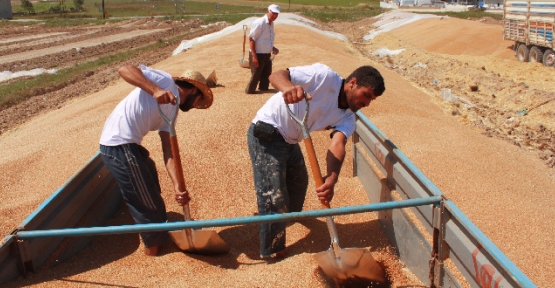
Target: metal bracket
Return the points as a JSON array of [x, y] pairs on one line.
[[440, 250], [437, 218], [23, 251]]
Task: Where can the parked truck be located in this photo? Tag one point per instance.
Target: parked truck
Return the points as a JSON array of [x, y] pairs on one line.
[[530, 24]]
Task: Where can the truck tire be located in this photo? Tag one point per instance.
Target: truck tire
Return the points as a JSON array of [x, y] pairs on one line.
[[523, 53], [549, 58], [536, 55]]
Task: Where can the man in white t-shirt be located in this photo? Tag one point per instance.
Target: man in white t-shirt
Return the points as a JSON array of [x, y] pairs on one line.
[[120, 143], [261, 43], [280, 175]]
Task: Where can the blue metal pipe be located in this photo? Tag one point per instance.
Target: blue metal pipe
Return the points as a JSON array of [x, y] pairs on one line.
[[171, 226]]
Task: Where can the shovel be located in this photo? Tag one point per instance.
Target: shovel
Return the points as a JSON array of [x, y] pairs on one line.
[[352, 266], [242, 62], [193, 241]]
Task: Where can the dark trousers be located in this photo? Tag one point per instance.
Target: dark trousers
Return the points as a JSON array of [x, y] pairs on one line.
[[135, 172], [280, 181], [260, 74]]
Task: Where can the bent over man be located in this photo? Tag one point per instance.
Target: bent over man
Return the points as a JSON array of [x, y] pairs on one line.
[[120, 143], [280, 174]]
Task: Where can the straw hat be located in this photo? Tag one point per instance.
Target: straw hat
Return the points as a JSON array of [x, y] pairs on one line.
[[196, 78]]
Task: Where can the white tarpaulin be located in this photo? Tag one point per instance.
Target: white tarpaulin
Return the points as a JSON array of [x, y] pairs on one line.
[[7, 75]]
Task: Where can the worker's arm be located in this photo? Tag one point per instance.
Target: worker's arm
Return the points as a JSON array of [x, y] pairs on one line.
[[334, 161], [254, 58], [134, 76], [281, 80], [182, 197]]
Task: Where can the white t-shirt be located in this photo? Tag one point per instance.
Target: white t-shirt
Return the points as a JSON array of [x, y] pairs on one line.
[[324, 85], [138, 113], [262, 32]]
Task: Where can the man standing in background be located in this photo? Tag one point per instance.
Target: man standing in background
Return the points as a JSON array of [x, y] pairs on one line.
[[261, 43]]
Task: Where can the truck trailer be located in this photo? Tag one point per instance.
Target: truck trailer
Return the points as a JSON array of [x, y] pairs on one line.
[[431, 235], [530, 25]]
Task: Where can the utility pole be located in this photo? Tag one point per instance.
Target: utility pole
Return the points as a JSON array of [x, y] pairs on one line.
[[103, 11]]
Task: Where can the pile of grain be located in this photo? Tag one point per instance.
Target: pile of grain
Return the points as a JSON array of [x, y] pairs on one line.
[[39, 156]]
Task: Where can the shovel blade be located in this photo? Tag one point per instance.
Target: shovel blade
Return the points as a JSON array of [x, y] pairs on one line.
[[244, 63], [354, 268], [205, 242]]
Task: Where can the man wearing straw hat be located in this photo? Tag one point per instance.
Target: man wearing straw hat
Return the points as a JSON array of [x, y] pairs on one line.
[[120, 143], [261, 43]]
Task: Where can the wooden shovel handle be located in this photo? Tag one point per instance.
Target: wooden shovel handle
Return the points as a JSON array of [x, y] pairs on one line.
[[180, 181], [315, 167], [177, 162], [244, 37]]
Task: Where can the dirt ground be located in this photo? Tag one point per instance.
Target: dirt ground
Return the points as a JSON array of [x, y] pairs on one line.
[[459, 54], [503, 92], [27, 40], [493, 162]]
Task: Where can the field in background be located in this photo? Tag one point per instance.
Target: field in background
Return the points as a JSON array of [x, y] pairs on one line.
[[225, 10], [62, 13]]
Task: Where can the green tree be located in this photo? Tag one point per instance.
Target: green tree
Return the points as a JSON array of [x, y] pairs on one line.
[[27, 5], [79, 4]]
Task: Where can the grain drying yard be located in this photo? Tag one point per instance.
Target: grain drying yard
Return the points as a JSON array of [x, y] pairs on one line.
[[495, 165]]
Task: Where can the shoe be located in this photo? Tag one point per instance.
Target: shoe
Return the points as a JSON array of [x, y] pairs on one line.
[[276, 256], [151, 251]]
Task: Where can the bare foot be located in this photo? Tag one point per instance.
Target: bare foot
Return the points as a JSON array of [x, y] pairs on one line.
[[151, 251]]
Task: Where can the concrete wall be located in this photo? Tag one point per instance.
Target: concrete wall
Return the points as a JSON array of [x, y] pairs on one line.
[[5, 9]]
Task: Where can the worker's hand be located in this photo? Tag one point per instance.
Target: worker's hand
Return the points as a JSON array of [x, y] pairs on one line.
[[164, 97], [295, 94], [182, 198], [275, 50], [254, 61], [326, 191]]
